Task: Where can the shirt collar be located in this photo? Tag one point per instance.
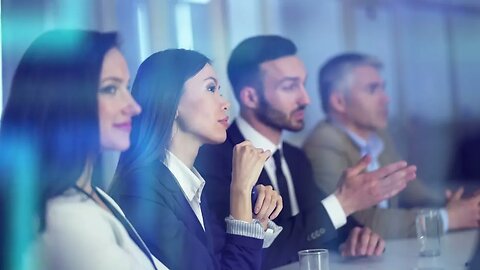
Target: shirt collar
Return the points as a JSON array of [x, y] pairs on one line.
[[372, 146], [257, 139], [190, 181]]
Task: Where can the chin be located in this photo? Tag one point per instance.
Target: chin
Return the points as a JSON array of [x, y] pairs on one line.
[[117, 146], [217, 139], [295, 127]]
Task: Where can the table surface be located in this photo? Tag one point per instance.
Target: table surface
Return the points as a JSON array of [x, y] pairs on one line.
[[402, 254]]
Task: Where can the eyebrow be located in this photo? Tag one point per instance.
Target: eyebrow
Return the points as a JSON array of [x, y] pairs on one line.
[[211, 78], [115, 79], [288, 79]]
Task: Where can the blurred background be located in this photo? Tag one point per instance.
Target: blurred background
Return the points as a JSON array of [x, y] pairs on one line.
[[430, 49]]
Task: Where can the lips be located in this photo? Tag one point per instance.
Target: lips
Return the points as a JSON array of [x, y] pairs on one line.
[[126, 126], [299, 115], [224, 122]]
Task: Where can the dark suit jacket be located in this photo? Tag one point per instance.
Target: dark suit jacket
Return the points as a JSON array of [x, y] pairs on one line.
[[155, 204], [311, 228]]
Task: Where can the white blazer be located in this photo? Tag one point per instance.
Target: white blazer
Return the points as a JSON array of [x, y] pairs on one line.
[[80, 235]]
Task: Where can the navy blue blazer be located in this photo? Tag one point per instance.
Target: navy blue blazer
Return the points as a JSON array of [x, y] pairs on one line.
[[152, 200], [311, 228]]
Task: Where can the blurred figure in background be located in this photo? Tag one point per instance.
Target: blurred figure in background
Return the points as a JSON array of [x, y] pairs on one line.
[[356, 104], [69, 102]]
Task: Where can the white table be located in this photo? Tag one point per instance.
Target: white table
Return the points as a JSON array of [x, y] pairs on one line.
[[402, 254]]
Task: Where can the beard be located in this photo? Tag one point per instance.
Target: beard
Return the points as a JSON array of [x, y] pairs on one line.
[[277, 119]]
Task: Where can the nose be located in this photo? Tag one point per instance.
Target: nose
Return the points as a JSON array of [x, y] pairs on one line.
[[225, 103], [385, 98], [304, 98], [132, 107]]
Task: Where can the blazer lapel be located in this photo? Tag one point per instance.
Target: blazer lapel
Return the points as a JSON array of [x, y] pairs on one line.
[[127, 225], [183, 209], [206, 222]]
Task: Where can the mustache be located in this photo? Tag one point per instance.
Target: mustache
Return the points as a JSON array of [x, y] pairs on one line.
[[300, 108]]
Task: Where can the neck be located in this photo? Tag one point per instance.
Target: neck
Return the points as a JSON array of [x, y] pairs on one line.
[[85, 180], [271, 133], [185, 147], [363, 133]]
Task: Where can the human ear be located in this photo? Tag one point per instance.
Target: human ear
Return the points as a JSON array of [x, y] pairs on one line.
[[249, 97], [337, 102]]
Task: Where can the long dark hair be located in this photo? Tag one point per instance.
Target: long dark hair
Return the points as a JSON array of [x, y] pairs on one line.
[[52, 111], [158, 88]]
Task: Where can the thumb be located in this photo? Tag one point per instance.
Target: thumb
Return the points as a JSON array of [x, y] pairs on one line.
[[448, 193], [361, 165], [458, 194]]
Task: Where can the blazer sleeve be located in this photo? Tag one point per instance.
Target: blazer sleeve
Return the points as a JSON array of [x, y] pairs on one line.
[[157, 218], [312, 228], [329, 157]]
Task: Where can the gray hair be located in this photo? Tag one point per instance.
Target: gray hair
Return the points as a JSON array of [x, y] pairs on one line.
[[336, 73]]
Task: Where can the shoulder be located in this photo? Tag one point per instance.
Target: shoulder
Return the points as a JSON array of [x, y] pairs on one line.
[[148, 179], [72, 217], [325, 134]]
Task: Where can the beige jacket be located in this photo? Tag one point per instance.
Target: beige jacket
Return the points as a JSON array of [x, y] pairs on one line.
[[330, 151]]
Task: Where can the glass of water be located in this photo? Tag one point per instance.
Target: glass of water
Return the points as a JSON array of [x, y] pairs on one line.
[[428, 223], [313, 259]]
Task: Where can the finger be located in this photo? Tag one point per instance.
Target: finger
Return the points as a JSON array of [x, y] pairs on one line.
[[244, 143], [388, 188], [271, 208], [353, 240], [476, 199], [361, 165], [395, 182], [342, 249], [372, 244], [278, 209], [262, 214], [458, 194], [448, 193], [260, 198], [380, 247], [272, 205], [266, 155], [363, 244], [389, 169]]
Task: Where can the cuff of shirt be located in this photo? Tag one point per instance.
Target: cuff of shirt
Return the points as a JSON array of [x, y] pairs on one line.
[[444, 216], [273, 230], [335, 211], [253, 229]]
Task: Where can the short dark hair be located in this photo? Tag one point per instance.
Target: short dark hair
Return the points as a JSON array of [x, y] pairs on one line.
[[244, 63], [52, 110], [157, 88], [335, 70]]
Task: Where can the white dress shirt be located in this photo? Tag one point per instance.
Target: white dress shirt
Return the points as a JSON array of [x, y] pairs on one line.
[[190, 182], [331, 203]]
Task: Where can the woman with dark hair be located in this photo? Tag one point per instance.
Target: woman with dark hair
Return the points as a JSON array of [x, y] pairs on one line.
[[160, 190], [69, 101]]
